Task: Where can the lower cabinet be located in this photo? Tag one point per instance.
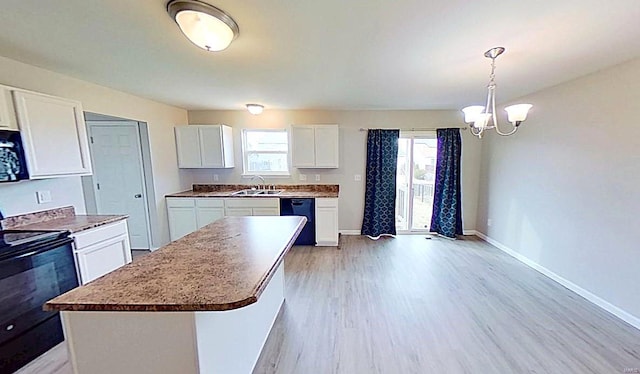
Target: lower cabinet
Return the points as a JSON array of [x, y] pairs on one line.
[[252, 207], [101, 250], [188, 215], [326, 222], [208, 211]]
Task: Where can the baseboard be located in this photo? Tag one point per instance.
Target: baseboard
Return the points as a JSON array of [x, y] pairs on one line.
[[350, 232], [598, 301], [357, 232]]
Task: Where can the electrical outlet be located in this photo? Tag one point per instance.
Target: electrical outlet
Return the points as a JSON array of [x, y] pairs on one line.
[[43, 197], [357, 177], [303, 177], [317, 177], [489, 222], [216, 177]]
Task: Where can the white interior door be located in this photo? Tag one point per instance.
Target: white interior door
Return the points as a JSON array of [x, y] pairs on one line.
[[118, 175]]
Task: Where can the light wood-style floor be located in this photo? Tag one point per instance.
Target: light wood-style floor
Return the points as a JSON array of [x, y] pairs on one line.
[[411, 305]]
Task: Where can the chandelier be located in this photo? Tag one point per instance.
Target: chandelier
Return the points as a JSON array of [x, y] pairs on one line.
[[481, 118]]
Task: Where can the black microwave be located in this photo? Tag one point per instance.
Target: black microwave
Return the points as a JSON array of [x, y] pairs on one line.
[[13, 166]]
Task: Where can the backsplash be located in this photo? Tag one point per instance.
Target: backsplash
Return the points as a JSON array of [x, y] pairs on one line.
[[289, 187], [36, 217]]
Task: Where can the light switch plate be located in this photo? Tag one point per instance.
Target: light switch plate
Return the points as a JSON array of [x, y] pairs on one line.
[[216, 177], [317, 177], [43, 197]]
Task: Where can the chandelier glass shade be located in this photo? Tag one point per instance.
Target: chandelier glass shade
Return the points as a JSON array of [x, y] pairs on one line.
[[481, 118]]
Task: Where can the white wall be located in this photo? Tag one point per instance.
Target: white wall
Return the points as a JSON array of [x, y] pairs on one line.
[[564, 191], [352, 151], [98, 99]]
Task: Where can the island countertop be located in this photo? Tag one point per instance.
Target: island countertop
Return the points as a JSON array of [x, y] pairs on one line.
[[223, 266]]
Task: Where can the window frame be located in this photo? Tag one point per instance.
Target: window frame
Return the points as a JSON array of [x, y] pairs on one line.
[[246, 153]]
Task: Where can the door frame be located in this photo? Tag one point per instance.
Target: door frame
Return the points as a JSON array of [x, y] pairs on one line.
[[412, 135], [92, 198]]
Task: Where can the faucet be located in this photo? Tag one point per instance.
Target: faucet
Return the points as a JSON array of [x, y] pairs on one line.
[[264, 184]]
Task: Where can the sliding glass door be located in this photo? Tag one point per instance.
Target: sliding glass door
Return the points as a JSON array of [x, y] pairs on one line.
[[417, 152]]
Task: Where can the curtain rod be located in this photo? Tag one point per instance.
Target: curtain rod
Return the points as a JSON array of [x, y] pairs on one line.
[[415, 129]]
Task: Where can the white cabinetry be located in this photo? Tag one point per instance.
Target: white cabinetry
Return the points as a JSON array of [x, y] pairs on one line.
[[7, 113], [187, 215], [208, 211], [182, 217], [252, 207], [204, 146], [54, 135], [327, 221], [314, 146], [101, 250]]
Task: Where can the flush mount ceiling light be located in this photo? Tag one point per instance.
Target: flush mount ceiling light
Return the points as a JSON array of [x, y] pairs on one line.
[[255, 108], [478, 116], [205, 25]]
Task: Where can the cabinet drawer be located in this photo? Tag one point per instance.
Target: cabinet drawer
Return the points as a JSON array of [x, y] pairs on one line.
[[209, 203], [89, 237], [252, 203], [179, 202], [102, 258]]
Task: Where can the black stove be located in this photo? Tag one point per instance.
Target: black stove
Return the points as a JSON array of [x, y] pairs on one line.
[[35, 266], [15, 241]]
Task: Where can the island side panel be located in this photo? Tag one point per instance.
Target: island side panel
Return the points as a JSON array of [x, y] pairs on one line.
[[230, 342], [131, 342]]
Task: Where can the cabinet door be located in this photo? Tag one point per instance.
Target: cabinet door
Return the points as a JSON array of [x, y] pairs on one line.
[[7, 116], [266, 211], [182, 221], [302, 146], [205, 216], [54, 134], [326, 146], [327, 222], [103, 257], [235, 212], [211, 146], [188, 147]]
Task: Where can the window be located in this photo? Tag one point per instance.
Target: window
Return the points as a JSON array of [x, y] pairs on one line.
[[265, 152]]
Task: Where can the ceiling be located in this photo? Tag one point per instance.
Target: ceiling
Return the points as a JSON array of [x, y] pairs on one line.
[[329, 54]]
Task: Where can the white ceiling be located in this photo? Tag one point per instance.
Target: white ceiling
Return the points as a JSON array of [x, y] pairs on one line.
[[326, 54]]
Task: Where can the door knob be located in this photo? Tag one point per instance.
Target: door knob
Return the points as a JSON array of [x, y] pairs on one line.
[[137, 196]]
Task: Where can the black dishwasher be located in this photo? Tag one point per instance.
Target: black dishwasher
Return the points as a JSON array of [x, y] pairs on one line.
[[306, 208]]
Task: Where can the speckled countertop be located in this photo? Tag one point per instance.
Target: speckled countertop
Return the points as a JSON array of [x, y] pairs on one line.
[[224, 265], [58, 219], [289, 191]]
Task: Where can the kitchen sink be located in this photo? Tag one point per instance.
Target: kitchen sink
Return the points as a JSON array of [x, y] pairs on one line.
[[271, 192], [246, 193], [249, 192]]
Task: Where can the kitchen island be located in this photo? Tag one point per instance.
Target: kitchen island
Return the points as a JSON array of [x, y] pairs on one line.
[[202, 304]]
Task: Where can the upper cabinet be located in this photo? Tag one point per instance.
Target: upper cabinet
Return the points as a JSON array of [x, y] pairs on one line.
[[204, 146], [314, 146], [54, 134]]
